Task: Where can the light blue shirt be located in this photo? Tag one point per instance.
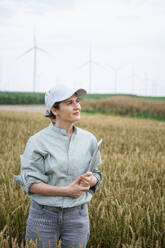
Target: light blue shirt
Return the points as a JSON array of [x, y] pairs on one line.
[[50, 157]]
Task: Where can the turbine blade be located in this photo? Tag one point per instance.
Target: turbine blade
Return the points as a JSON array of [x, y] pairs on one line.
[[116, 69], [134, 76], [122, 66], [41, 50], [111, 67], [86, 63], [28, 51], [98, 64]]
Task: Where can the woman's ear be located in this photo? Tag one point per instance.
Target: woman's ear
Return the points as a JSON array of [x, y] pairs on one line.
[[53, 110]]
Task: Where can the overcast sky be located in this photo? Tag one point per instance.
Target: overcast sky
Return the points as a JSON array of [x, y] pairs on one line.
[[127, 40]]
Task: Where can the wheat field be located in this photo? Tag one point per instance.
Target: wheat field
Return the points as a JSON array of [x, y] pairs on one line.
[[128, 210], [126, 106]]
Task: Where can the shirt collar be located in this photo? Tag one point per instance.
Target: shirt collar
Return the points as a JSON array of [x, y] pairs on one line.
[[62, 131]]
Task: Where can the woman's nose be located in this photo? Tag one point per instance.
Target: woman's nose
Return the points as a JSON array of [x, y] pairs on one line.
[[77, 105]]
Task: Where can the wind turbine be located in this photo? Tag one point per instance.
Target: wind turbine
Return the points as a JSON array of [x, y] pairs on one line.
[[90, 62], [147, 80], [133, 76], [0, 77], [154, 88], [116, 70], [35, 48], [153, 85]]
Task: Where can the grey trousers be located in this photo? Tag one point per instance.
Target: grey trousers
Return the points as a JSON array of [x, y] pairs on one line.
[[70, 225]]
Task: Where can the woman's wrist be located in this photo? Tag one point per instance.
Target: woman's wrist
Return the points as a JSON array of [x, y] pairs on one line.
[[94, 181]]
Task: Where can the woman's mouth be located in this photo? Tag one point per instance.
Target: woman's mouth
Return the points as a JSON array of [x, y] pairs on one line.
[[77, 113]]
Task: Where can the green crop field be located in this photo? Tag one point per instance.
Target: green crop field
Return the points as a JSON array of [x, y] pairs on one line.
[[7, 97], [102, 96], [128, 105], [128, 210]]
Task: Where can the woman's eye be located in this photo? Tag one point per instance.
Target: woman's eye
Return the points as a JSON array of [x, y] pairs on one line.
[[71, 102]]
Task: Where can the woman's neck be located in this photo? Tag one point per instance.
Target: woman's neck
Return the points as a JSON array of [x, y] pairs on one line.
[[67, 126]]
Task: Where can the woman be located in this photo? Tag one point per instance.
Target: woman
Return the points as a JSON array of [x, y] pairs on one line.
[[54, 173]]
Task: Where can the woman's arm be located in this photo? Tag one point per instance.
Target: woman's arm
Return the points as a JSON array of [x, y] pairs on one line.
[[74, 189]]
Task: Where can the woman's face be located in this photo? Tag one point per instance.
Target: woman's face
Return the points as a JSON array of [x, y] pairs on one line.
[[69, 110]]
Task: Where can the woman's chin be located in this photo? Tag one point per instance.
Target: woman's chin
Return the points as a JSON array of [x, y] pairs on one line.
[[77, 118]]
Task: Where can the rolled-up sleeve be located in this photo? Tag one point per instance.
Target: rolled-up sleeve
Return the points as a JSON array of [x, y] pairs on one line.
[[32, 166], [96, 172]]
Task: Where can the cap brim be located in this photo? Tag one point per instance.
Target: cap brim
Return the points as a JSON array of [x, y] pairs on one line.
[[81, 92], [62, 93]]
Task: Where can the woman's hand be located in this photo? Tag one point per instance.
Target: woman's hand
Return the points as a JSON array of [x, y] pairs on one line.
[[88, 179], [76, 189]]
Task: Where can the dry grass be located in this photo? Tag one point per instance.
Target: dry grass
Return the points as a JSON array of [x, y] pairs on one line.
[[121, 105], [128, 209]]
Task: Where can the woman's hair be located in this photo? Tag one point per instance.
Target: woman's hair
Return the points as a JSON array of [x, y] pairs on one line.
[[51, 116]]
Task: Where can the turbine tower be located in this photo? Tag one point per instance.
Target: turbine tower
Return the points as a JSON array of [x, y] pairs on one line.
[[133, 76], [152, 86], [146, 80], [90, 62], [116, 70], [35, 48]]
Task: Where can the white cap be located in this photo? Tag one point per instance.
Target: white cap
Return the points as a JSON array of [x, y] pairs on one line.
[[60, 93]]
